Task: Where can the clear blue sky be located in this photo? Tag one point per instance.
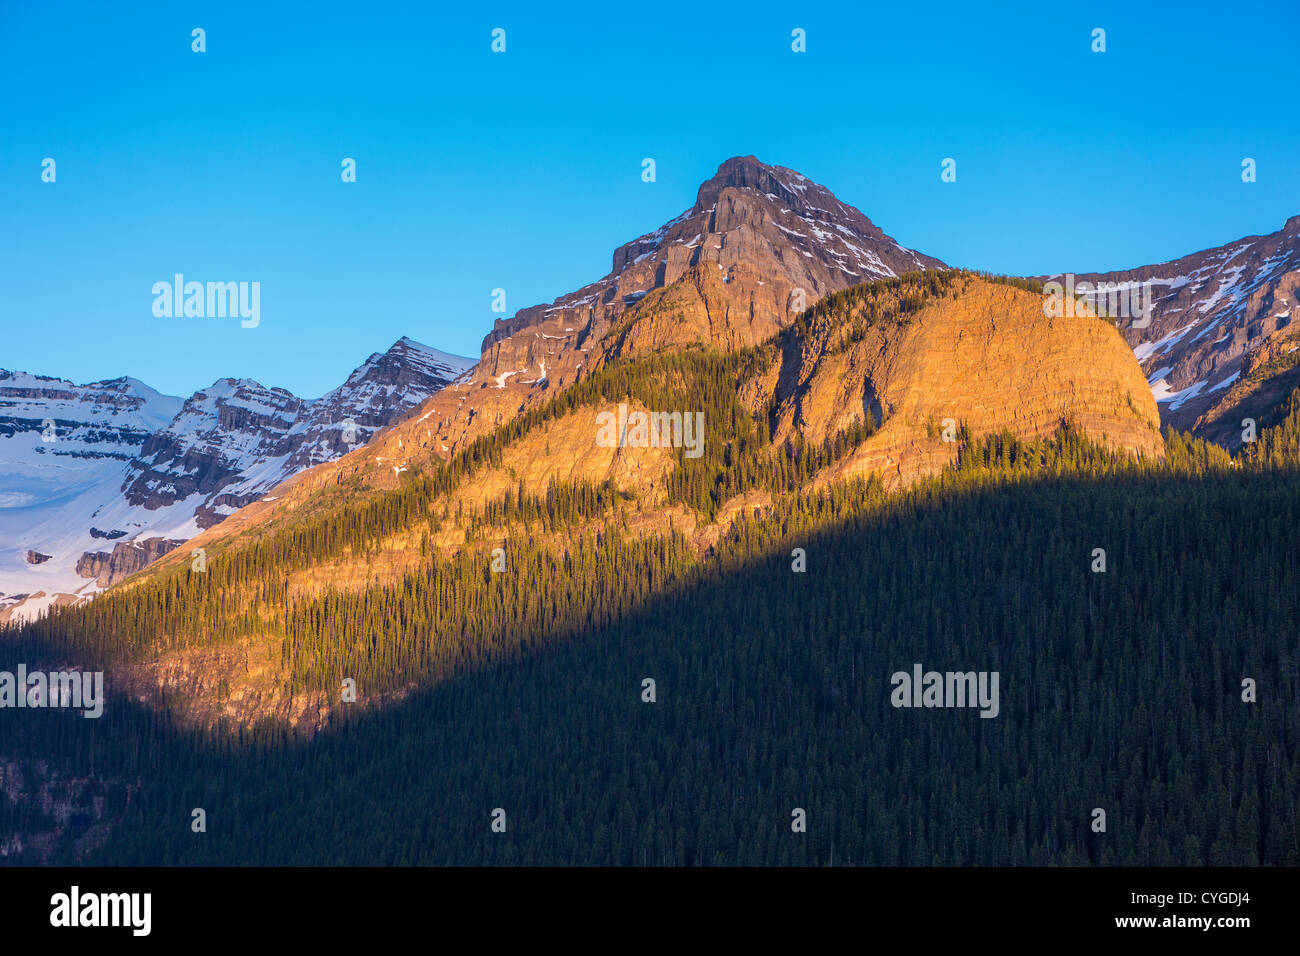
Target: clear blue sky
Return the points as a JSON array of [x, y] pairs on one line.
[[522, 170]]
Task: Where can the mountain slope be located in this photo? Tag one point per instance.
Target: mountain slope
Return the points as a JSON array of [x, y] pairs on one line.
[[233, 441], [773, 692], [884, 381], [760, 244]]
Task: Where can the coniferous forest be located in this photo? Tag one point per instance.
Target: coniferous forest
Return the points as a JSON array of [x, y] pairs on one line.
[[1121, 690]]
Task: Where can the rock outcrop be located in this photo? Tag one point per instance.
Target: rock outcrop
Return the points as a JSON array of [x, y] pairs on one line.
[[126, 558], [988, 359]]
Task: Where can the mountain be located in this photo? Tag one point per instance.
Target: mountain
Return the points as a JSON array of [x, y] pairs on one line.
[[64, 450], [886, 380], [1222, 333], [766, 219], [983, 356], [760, 245], [101, 479], [920, 469]]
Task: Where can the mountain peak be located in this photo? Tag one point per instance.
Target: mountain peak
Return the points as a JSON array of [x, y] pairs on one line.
[[748, 172], [144, 471], [774, 224], [790, 191]]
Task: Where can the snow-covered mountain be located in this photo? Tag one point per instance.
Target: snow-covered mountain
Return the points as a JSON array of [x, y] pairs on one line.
[[98, 480], [1222, 321]]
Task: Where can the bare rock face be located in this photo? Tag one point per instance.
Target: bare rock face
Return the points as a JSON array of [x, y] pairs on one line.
[[239, 681], [1211, 311], [731, 310], [35, 557], [988, 359], [126, 558]]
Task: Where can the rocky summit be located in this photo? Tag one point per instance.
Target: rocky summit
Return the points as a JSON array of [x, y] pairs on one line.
[[776, 241]]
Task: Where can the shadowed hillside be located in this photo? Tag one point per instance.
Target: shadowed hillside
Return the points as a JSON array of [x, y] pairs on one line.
[[1119, 690]]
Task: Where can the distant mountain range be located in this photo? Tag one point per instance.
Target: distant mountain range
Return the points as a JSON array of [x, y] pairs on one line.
[[98, 480]]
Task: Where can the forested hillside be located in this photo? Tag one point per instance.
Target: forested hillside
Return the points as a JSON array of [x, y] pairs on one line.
[[1121, 690]]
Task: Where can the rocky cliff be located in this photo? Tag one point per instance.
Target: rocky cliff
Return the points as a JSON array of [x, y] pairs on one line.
[[987, 358], [126, 558]]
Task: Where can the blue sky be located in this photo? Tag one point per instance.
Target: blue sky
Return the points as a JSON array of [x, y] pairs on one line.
[[523, 170]]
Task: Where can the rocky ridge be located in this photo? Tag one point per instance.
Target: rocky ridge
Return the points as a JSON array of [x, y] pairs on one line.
[[1216, 315], [117, 462]]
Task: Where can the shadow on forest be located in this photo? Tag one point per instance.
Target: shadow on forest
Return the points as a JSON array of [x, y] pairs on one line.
[[1119, 690]]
